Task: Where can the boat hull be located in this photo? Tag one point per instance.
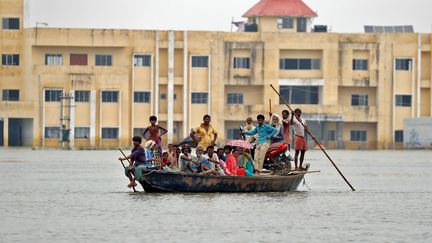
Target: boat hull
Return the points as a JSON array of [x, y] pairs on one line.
[[162, 181]]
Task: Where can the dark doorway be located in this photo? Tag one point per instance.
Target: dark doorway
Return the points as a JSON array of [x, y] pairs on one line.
[[20, 132], [1, 133]]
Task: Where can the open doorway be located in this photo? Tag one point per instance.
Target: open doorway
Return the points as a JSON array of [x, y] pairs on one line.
[[20, 132]]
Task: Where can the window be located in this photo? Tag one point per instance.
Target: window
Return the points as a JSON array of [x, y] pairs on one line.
[[403, 100], [199, 61], [163, 96], [138, 131], [358, 136], [109, 133], [53, 95], [242, 62], [109, 96], [398, 136], [78, 59], [103, 60], [199, 98], [300, 94], [82, 132], [285, 23], [52, 132], [235, 98], [299, 64], [403, 64], [53, 59], [82, 96], [142, 97], [301, 24], [331, 135], [360, 64], [11, 95], [10, 59], [11, 23], [233, 133], [359, 100], [142, 60]]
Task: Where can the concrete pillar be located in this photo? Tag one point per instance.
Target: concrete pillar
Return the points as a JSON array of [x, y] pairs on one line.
[[92, 118], [185, 86], [324, 131], [170, 93], [339, 135], [72, 119], [6, 132], [120, 135], [156, 90]]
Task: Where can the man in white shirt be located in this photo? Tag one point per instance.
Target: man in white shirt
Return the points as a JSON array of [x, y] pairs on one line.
[[299, 137]]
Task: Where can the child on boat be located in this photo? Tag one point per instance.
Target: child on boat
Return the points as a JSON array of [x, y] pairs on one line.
[[153, 131], [137, 162]]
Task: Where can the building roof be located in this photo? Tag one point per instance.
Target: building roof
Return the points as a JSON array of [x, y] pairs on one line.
[[280, 8]]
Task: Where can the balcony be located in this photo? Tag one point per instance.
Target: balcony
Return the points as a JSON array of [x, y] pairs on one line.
[[80, 37], [359, 114], [88, 69], [425, 84], [359, 83], [177, 80], [18, 109], [241, 112], [176, 117]]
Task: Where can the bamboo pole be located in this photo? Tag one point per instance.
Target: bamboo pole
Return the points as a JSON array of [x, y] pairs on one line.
[[125, 166], [312, 136]]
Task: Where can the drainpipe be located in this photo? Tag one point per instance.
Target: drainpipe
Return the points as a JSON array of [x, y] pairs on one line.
[[156, 91], [393, 101], [132, 96], [419, 74], [185, 90], [170, 93]]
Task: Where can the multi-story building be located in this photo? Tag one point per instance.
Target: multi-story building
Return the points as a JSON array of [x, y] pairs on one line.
[[355, 90]]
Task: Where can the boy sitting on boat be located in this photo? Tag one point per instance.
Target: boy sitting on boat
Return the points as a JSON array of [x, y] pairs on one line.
[[137, 162]]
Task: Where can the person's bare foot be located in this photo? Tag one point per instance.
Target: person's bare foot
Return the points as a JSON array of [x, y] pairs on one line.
[[132, 184]]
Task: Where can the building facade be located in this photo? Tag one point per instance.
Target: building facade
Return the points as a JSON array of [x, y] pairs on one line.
[[355, 90]]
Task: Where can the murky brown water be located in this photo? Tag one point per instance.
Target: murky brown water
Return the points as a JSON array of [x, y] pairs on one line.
[[56, 196]]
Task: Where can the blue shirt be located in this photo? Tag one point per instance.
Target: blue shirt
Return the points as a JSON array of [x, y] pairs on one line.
[[265, 132], [138, 155]]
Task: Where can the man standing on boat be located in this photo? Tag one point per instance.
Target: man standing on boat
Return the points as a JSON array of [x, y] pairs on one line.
[[137, 162], [207, 134], [265, 132], [299, 137]]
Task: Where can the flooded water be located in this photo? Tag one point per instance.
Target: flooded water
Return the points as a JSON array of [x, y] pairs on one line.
[[63, 196]]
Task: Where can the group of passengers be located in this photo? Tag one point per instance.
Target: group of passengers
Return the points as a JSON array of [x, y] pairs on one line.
[[233, 161]]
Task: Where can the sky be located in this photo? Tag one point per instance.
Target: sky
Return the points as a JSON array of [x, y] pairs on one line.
[[345, 16]]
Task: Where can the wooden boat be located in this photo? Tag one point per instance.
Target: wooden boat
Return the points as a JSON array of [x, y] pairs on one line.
[[163, 181]]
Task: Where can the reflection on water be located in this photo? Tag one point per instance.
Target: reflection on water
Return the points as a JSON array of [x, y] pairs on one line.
[[82, 196]]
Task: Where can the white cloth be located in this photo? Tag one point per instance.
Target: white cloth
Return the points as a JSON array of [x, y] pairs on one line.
[[252, 139], [298, 127]]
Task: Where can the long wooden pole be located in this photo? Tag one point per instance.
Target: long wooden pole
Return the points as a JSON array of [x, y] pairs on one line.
[[312, 136], [270, 105], [121, 151]]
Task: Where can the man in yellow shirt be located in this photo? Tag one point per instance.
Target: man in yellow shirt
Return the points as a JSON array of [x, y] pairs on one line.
[[207, 134]]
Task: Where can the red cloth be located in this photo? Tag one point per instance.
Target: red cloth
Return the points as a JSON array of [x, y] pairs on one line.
[[231, 164], [287, 131], [241, 172], [300, 143]]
